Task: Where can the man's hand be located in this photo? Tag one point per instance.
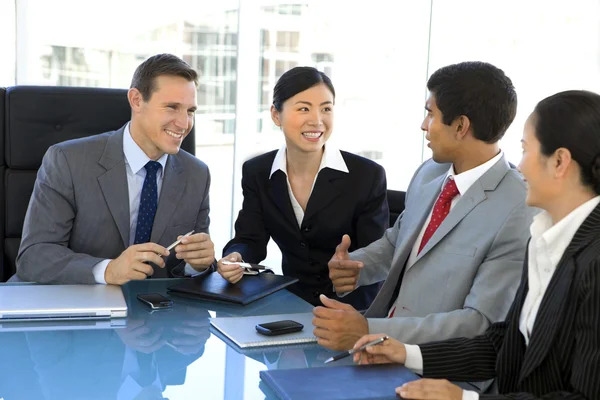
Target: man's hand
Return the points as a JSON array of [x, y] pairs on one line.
[[430, 389], [233, 272], [337, 325], [131, 264], [197, 250], [343, 272], [390, 351]]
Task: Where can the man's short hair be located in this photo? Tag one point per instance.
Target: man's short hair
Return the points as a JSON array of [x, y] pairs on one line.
[[144, 77], [478, 90]]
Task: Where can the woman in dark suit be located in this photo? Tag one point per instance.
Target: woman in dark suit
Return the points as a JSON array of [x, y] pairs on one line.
[[308, 194], [549, 345]]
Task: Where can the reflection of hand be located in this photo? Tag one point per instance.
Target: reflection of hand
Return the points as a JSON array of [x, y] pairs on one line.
[[232, 272], [390, 351], [198, 250], [430, 389], [337, 325], [292, 358], [141, 336], [191, 333], [185, 330]]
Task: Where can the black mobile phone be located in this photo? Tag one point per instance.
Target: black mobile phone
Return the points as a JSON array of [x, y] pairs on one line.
[[279, 327], [156, 301]]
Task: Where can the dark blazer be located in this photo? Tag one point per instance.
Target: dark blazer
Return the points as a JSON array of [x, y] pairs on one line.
[[562, 360], [353, 203]]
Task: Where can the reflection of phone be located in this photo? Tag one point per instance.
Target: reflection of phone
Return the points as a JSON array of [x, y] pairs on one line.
[[155, 301], [279, 327]]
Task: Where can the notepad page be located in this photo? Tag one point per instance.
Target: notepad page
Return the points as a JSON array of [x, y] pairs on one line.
[[242, 331]]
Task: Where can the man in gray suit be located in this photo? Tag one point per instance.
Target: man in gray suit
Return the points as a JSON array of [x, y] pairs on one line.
[[453, 260], [105, 207]]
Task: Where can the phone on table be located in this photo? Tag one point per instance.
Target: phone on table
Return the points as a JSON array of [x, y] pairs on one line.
[[279, 327], [156, 301]]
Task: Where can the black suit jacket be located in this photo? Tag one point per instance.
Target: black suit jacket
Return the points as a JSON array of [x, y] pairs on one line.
[[353, 203], [562, 360]]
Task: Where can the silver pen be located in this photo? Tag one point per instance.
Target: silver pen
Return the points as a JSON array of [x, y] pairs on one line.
[[245, 264], [175, 243], [348, 353]]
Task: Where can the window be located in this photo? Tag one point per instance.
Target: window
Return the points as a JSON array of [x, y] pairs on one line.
[[544, 47], [205, 37], [7, 43]]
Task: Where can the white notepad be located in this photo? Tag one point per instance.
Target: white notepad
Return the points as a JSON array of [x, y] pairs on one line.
[[242, 332]]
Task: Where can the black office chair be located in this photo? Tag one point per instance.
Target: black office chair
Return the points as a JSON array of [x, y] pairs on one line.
[[395, 200], [36, 117]]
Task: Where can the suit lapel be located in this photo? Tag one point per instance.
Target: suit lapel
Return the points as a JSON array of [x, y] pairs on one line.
[[173, 187], [510, 356], [278, 190], [468, 202], [475, 195], [113, 183], [556, 296], [549, 315], [428, 194], [327, 188]]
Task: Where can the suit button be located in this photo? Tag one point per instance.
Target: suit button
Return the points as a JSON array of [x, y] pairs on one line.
[[306, 229], [316, 293], [303, 245]]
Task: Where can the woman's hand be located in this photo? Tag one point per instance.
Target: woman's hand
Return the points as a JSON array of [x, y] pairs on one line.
[[390, 351], [232, 272], [430, 389]]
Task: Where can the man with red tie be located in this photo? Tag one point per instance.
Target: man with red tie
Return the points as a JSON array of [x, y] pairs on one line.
[[452, 262]]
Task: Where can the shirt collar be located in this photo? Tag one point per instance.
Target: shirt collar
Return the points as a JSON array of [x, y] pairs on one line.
[[466, 179], [332, 158], [559, 235], [135, 156]]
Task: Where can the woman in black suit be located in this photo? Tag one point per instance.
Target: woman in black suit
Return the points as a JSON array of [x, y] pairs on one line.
[[549, 345], [307, 195]]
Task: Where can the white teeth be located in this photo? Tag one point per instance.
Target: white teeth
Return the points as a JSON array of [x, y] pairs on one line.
[[312, 135], [173, 134]]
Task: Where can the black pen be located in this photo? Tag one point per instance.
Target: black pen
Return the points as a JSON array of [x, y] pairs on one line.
[[352, 351]]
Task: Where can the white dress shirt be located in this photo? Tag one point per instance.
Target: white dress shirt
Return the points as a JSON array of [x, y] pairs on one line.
[[546, 247], [331, 158], [463, 182], [135, 161]]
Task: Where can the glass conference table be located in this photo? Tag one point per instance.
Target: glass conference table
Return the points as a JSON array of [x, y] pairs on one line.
[[152, 355]]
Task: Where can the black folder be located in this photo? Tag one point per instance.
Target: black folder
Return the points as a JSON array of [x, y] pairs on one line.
[[214, 288], [344, 382]]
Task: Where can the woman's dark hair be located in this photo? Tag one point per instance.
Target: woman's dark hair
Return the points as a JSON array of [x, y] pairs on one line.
[[478, 90], [297, 80], [571, 120]]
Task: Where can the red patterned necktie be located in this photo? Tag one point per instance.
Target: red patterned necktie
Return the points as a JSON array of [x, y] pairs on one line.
[[439, 213]]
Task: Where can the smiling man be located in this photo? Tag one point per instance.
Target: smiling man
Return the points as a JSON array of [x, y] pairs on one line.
[[452, 261], [105, 207]]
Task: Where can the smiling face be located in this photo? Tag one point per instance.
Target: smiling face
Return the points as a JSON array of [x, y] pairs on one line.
[[306, 118], [441, 137], [160, 124]]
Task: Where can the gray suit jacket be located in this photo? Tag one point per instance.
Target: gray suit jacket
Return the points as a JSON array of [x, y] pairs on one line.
[[78, 214], [466, 276]]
